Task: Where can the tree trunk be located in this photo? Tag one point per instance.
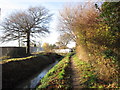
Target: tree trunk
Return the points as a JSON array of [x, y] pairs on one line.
[[28, 42], [19, 38]]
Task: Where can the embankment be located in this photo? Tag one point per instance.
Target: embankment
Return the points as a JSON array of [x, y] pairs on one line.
[[72, 73], [17, 70], [58, 77]]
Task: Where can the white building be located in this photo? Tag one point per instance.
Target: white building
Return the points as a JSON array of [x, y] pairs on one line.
[[62, 50]]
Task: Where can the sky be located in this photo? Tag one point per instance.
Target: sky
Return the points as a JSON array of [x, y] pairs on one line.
[[9, 6]]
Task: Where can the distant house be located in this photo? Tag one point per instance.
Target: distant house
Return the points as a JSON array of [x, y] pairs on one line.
[[62, 50]]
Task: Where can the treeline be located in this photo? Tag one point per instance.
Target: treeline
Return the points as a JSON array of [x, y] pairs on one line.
[[95, 29]]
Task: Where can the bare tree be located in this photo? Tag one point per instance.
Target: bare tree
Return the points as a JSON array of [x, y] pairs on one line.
[[64, 39], [79, 20], [33, 22]]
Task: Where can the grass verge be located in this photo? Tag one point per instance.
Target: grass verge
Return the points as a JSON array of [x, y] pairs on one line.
[[57, 77], [89, 76]]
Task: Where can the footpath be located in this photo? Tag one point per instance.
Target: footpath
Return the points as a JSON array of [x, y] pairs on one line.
[[75, 77]]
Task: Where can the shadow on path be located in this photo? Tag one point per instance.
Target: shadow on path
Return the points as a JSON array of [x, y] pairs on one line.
[[75, 81]]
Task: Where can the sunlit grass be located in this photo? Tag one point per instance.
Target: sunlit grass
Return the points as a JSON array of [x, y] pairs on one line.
[[86, 72], [56, 77], [89, 76], [16, 59], [4, 57]]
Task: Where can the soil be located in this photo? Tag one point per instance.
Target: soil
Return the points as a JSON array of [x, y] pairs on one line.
[[75, 76]]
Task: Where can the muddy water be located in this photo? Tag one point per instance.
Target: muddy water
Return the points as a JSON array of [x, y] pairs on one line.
[[34, 81]]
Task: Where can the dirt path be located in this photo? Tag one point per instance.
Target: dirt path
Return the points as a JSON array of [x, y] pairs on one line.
[[75, 76]]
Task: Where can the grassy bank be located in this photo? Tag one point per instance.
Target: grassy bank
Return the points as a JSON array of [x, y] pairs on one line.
[[86, 73], [16, 70], [58, 77], [90, 77], [4, 57]]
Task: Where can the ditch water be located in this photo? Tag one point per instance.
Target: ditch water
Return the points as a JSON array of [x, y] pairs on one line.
[[34, 81]]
